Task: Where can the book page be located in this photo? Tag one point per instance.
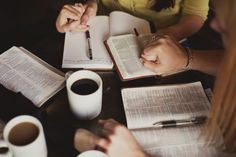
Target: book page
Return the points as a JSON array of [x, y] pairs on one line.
[[158, 103], [124, 23], [177, 142], [76, 47], [146, 105], [20, 71], [126, 51]]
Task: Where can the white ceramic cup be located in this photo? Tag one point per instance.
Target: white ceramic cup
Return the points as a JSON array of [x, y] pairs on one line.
[[88, 106], [24, 137], [92, 153]]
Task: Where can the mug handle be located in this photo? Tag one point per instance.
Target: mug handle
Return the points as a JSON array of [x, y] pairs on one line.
[[67, 74], [4, 150]]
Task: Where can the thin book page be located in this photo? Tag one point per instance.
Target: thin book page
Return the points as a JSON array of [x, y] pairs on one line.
[[126, 51], [173, 142], [147, 105], [124, 23], [75, 53], [20, 71]]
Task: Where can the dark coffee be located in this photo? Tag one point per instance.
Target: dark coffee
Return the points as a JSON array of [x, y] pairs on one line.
[[23, 133], [84, 86]]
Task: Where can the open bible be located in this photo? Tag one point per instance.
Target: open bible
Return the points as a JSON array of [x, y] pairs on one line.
[[146, 105], [21, 71], [101, 27], [126, 50]]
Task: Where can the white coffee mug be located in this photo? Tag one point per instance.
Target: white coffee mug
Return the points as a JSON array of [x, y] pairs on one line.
[[92, 153], [86, 105], [24, 137]]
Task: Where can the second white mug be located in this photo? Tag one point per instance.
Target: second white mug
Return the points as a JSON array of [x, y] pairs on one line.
[[24, 137]]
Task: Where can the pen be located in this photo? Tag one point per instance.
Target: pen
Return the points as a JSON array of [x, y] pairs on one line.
[[173, 123], [181, 122], [136, 32], [90, 54]]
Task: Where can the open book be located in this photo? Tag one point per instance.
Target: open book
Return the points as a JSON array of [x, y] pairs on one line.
[[101, 27], [147, 105], [21, 71], [125, 51]]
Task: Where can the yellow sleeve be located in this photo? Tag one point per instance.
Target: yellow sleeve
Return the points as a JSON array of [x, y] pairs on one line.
[[196, 7]]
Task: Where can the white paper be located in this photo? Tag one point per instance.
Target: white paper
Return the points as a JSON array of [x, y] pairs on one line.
[[76, 47], [75, 53], [124, 23], [146, 105], [21, 71]]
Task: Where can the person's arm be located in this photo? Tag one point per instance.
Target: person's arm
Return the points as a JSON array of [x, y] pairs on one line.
[[207, 61], [166, 54], [74, 18], [187, 26]]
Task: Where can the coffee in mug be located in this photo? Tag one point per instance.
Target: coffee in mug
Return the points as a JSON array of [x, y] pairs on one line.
[[84, 86], [23, 137], [23, 134]]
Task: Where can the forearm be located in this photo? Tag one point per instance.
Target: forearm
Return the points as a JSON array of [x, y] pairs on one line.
[[207, 61], [187, 26]]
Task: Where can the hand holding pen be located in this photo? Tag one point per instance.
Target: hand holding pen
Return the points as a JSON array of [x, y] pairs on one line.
[[74, 18]]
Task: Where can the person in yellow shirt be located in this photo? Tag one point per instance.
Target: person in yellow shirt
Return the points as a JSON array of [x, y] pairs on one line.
[[180, 18]]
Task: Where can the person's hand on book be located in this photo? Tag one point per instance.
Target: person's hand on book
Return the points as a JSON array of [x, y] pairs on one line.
[[164, 55], [74, 18]]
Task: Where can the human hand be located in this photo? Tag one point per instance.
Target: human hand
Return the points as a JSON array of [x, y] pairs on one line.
[[75, 17], [85, 140], [164, 54], [90, 11], [118, 140]]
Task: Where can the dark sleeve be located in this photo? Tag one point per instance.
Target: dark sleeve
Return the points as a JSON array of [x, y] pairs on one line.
[[13, 104]]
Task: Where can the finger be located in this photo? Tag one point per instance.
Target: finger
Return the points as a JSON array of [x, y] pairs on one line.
[[79, 7], [155, 67], [71, 9], [102, 122], [88, 14], [74, 26], [84, 19], [106, 133], [103, 143], [151, 50], [149, 57], [67, 14], [85, 140]]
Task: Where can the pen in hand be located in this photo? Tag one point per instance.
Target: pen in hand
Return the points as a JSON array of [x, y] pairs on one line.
[[181, 122], [90, 54]]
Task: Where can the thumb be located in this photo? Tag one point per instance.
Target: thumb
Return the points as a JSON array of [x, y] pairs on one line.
[[84, 19]]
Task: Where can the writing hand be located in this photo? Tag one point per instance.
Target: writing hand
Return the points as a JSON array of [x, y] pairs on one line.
[[164, 55]]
